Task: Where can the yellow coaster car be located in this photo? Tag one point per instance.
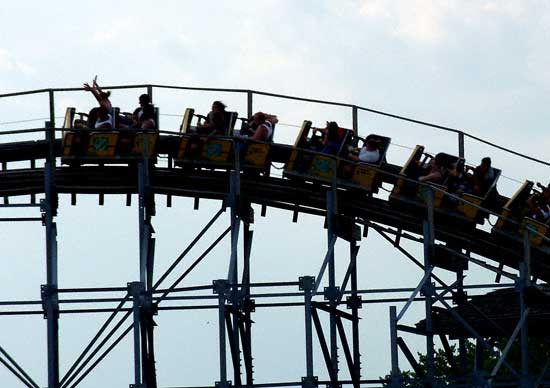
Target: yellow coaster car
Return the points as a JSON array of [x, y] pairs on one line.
[[83, 145], [307, 160], [517, 216], [361, 174], [196, 149]]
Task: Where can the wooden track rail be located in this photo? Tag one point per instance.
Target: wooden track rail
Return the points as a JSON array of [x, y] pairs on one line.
[[270, 191]]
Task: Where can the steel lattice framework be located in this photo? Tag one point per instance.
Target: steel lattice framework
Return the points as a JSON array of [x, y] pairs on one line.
[[341, 301]]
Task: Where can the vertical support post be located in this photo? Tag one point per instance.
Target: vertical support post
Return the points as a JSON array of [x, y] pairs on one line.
[[136, 289], [331, 293], [51, 98], [306, 284], [143, 227], [232, 275], [461, 144], [461, 296], [220, 288], [233, 200], [249, 103], [4, 168], [524, 282], [235, 228], [428, 234], [395, 374], [49, 291], [478, 358], [150, 93], [248, 304], [355, 305], [354, 120], [146, 209], [33, 196]]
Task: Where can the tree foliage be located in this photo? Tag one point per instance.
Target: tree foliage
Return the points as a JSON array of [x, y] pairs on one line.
[[446, 376]]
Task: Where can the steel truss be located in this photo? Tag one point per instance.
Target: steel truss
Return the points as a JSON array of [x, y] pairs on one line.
[[235, 298]]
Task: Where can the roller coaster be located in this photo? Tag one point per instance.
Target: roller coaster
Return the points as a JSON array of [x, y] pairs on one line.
[[352, 197]]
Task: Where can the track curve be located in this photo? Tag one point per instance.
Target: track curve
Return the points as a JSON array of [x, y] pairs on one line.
[[296, 196]]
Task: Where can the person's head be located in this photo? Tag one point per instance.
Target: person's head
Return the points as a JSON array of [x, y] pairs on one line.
[[144, 99], [546, 193], [218, 106], [485, 164], [102, 113], [259, 118], [332, 131], [440, 160], [371, 144]]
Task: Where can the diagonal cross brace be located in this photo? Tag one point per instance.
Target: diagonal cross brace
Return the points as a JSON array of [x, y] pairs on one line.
[[351, 267], [415, 292], [324, 348], [324, 265], [509, 344], [347, 353], [469, 328], [17, 370], [335, 311]]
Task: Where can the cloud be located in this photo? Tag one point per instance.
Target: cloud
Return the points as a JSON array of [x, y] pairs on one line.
[[538, 57], [419, 21], [112, 30], [434, 22], [10, 64], [374, 9]]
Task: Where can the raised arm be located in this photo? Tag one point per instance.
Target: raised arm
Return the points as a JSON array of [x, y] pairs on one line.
[[93, 90]]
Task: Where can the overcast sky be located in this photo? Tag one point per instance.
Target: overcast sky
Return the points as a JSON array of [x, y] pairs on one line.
[[480, 66]]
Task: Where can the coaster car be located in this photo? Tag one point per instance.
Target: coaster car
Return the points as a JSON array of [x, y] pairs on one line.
[[306, 161], [364, 175], [199, 150], [407, 190], [456, 180], [517, 217], [256, 155], [84, 145]]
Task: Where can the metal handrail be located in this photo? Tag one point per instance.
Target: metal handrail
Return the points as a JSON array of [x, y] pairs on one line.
[[461, 133]]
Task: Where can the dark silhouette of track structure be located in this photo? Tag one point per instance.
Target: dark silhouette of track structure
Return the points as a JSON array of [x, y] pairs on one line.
[[270, 191], [237, 189]]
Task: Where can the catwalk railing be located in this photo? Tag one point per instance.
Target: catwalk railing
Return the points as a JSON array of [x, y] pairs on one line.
[[150, 88]]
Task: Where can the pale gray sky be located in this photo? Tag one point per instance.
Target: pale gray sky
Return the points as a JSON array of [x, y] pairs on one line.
[[480, 66]]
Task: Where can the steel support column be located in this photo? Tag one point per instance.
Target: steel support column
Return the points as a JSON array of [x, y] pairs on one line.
[[248, 305], [332, 292], [355, 302], [524, 282], [461, 144], [460, 297], [354, 120], [234, 202], [51, 98], [306, 284], [137, 289], [49, 291], [249, 103], [428, 233], [395, 373], [220, 287], [146, 210]]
